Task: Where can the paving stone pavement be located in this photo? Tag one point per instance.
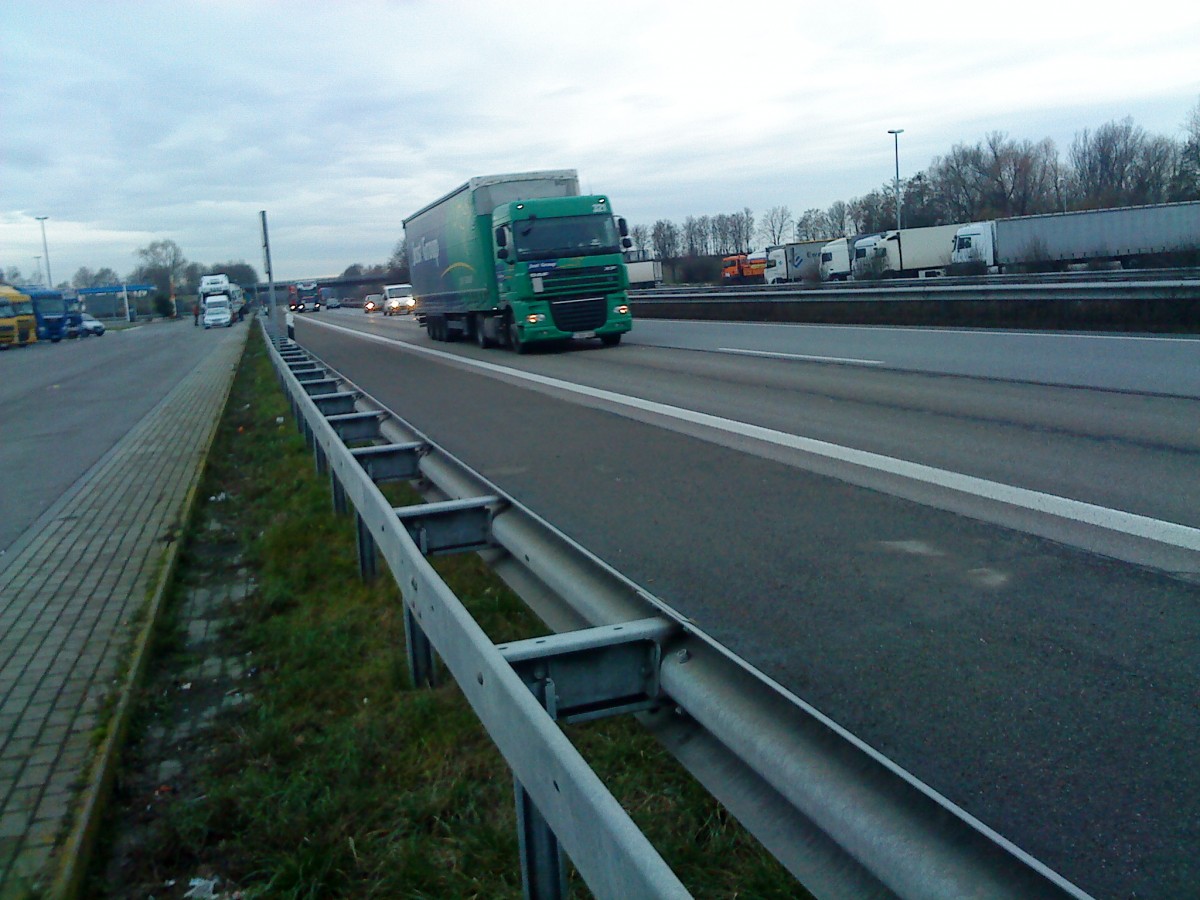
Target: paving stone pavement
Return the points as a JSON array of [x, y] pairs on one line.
[[64, 628]]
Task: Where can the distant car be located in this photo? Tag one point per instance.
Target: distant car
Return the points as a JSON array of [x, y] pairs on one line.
[[91, 325], [373, 303], [333, 303]]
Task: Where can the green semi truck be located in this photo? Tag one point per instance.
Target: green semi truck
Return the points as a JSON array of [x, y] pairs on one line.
[[519, 260]]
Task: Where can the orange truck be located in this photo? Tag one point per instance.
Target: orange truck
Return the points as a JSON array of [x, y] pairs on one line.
[[742, 268]]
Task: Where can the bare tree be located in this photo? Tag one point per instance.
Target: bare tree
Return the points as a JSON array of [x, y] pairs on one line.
[[162, 264], [192, 272], [836, 217], [640, 235], [1186, 182], [704, 225], [997, 177], [398, 261], [957, 178], [776, 225], [1109, 163], [693, 237], [875, 211], [665, 238], [723, 238], [239, 272], [743, 230], [816, 225]]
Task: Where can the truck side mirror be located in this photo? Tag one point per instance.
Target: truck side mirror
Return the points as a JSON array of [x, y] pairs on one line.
[[626, 243], [623, 227], [502, 253], [502, 239]]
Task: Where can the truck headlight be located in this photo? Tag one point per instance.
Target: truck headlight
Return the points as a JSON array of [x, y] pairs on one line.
[[621, 310], [534, 318]]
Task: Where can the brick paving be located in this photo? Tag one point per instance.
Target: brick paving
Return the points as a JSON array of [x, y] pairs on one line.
[[71, 588]]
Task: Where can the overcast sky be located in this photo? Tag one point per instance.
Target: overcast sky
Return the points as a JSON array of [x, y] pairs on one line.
[[127, 122]]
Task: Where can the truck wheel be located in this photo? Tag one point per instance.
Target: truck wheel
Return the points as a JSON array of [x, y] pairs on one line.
[[610, 340], [514, 340], [481, 337]]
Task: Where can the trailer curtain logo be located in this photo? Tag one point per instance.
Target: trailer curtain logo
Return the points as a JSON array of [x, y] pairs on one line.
[[426, 251]]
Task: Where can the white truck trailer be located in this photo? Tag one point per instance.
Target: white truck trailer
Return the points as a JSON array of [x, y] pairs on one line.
[[1056, 240], [644, 273], [798, 261], [908, 253]]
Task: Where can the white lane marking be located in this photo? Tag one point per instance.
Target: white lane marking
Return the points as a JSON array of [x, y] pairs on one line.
[[1170, 533], [773, 355]]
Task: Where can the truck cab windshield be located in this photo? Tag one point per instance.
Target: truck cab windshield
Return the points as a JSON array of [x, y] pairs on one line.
[[566, 236], [218, 304]]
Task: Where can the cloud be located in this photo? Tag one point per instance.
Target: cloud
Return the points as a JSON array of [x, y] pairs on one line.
[[131, 122]]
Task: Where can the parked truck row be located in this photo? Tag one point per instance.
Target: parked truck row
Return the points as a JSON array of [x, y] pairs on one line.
[[1126, 235], [519, 260], [1137, 235], [32, 314], [1123, 236]]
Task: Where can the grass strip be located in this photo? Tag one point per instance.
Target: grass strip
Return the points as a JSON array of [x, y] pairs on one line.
[[337, 778]]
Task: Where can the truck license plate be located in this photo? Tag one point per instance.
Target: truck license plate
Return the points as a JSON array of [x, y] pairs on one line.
[[585, 334]]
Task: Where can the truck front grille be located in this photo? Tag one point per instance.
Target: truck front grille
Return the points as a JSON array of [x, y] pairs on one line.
[[583, 281], [587, 314]]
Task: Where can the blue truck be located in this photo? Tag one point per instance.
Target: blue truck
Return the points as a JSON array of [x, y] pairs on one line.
[[57, 316]]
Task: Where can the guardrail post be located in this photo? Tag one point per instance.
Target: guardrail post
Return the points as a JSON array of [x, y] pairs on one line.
[[420, 652], [543, 872], [368, 566], [339, 493]]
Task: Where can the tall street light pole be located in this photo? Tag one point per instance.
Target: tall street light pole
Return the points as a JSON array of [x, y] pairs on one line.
[[46, 250], [895, 133]]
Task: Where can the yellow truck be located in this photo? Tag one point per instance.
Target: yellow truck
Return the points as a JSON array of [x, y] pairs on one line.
[[18, 324]]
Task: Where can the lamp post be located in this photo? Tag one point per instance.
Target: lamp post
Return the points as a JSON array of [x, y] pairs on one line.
[[895, 133], [46, 250]]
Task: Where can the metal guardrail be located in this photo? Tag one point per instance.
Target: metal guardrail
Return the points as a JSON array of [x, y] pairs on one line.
[[939, 289], [839, 816]]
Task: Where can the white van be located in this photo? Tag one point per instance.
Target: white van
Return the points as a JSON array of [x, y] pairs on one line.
[[398, 300], [217, 312]]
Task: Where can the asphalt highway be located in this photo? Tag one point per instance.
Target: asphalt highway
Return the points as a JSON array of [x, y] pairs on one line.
[[992, 579], [64, 406]]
